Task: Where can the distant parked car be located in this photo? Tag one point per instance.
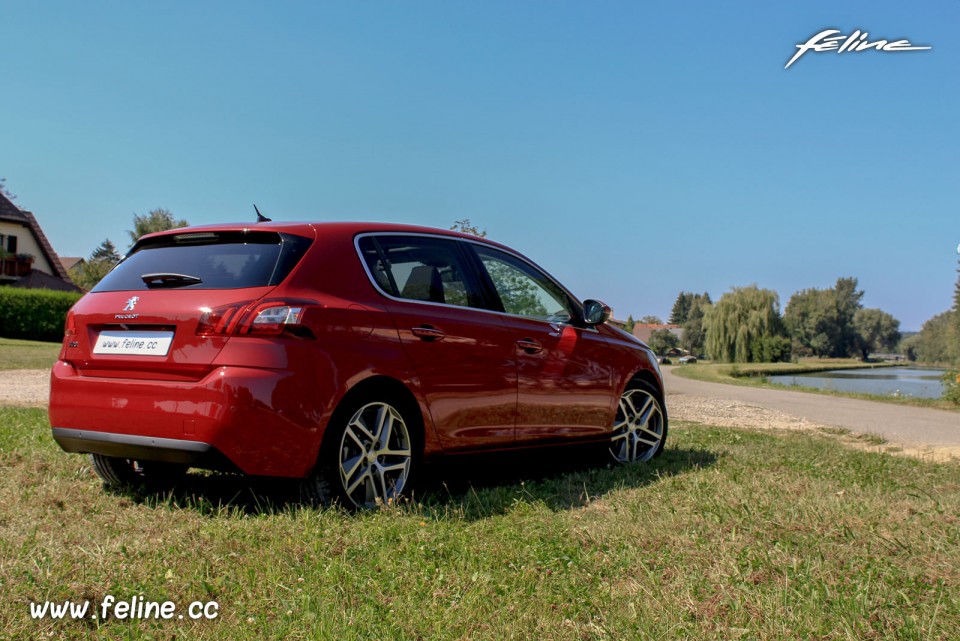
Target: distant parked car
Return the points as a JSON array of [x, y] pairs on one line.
[[342, 354], [663, 360], [688, 360]]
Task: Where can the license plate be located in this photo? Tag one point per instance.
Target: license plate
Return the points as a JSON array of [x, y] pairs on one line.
[[134, 343]]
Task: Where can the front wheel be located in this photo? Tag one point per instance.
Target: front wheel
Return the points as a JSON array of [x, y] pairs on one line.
[[368, 459], [640, 428]]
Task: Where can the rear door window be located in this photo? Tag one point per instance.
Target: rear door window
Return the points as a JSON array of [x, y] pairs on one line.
[[207, 260], [422, 268]]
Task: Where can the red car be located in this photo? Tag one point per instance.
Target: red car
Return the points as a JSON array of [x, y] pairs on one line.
[[344, 354]]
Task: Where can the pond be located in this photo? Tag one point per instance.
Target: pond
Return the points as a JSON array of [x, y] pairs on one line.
[[886, 381]]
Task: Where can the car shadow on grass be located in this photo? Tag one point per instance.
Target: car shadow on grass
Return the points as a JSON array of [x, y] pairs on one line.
[[471, 487]]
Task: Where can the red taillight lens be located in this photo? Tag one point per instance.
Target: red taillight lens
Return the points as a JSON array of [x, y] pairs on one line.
[[221, 321], [70, 327], [275, 317]]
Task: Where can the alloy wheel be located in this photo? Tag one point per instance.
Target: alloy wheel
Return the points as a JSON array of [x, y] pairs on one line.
[[375, 455], [638, 430]]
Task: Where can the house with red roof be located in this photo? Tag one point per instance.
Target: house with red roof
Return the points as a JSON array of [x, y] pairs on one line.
[[26, 257]]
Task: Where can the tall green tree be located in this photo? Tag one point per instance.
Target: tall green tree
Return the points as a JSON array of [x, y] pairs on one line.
[[90, 272], [820, 321], [876, 331], [681, 308], [629, 324], [745, 326], [650, 319], [154, 221], [933, 343], [694, 333]]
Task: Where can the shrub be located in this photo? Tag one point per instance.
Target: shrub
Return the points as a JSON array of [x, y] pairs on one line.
[[34, 314], [951, 387]]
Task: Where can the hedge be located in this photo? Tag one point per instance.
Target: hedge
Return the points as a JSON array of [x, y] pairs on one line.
[[34, 314]]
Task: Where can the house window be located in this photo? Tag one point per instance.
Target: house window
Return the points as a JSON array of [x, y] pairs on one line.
[[8, 243]]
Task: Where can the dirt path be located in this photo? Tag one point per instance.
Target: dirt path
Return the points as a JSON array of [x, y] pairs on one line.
[[918, 430], [898, 424]]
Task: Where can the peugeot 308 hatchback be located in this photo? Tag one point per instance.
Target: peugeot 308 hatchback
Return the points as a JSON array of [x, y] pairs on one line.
[[343, 354]]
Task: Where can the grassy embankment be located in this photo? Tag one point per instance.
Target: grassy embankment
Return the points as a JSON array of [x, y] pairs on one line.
[[754, 375], [20, 354], [729, 535]]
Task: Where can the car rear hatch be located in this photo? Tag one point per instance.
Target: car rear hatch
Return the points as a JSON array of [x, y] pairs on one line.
[[171, 305]]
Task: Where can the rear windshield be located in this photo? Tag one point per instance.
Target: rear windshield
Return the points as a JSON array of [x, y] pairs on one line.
[[207, 260]]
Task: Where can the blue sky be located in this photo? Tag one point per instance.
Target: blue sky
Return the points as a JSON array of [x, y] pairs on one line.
[[632, 150]]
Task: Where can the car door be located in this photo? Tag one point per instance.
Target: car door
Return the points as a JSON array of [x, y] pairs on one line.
[[462, 353], [565, 383]]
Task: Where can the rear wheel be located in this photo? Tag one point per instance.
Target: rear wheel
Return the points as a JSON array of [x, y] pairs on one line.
[[368, 459], [640, 428], [119, 472]]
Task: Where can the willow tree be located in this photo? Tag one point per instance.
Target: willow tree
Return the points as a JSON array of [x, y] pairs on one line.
[[745, 326]]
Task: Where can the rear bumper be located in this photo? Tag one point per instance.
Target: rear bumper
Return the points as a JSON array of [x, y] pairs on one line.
[[259, 421], [144, 448]]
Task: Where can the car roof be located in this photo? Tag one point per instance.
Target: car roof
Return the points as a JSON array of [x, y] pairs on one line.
[[328, 229]]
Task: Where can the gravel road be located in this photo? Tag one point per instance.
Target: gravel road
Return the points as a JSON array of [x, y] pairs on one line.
[[917, 430]]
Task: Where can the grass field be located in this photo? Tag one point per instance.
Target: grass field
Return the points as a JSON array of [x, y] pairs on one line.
[[20, 354], [753, 375], [729, 535]]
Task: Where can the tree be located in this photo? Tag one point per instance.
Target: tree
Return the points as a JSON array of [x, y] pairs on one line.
[[651, 320], [681, 308], [630, 324], [847, 299], [811, 319], [694, 333], [662, 340], [5, 191], [465, 226], [876, 330], [745, 326], [820, 321], [932, 344], [956, 316], [156, 220], [87, 274]]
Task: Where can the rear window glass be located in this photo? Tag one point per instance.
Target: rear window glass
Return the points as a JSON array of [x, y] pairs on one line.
[[207, 260]]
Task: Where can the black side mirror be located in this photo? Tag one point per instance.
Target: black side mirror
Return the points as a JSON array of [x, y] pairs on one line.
[[595, 312]]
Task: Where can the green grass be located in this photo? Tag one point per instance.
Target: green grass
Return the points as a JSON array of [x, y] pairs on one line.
[[21, 354], [754, 375], [729, 535]]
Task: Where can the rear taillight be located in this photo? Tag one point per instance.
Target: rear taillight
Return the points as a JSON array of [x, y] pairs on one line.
[[270, 318], [70, 326], [273, 318], [220, 321]]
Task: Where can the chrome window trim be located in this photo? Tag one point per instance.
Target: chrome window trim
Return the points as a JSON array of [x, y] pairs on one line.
[[376, 285]]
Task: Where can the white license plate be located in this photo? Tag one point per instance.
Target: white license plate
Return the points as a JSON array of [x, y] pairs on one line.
[[135, 343]]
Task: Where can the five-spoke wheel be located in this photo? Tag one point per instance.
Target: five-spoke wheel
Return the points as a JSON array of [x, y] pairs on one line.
[[640, 428]]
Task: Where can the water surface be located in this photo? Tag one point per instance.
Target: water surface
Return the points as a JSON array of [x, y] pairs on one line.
[[886, 381]]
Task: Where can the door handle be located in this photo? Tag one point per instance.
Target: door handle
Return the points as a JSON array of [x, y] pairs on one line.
[[530, 346], [428, 333]]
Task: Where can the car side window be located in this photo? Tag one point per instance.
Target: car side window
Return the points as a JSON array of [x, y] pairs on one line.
[[523, 290], [421, 268]]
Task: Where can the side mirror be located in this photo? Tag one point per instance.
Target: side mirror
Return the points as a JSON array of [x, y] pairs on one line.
[[595, 312]]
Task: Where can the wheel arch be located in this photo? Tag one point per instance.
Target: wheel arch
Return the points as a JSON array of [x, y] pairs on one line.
[[373, 386], [652, 379]]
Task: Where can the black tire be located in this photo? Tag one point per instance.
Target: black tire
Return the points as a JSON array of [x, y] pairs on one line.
[[640, 427], [360, 466], [120, 472]]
